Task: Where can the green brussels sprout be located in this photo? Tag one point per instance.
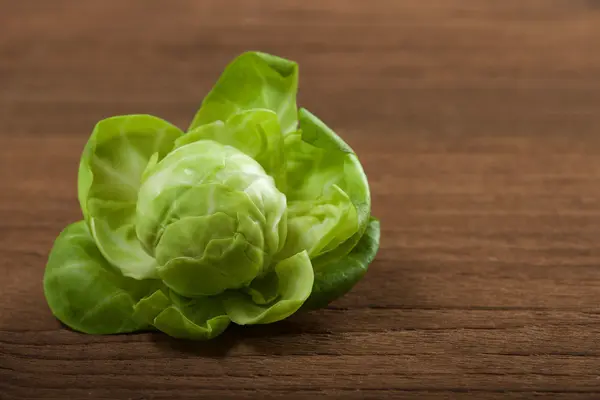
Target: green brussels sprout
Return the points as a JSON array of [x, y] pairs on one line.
[[258, 210]]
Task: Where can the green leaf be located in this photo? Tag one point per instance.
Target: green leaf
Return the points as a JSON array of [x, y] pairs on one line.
[[264, 290], [323, 178], [337, 278], [320, 224], [110, 173], [200, 318], [85, 292], [212, 130], [148, 308], [253, 80], [317, 133], [350, 175], [255, 132], [293, 284]]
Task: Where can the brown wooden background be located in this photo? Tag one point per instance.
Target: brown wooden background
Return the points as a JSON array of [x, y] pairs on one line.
[[478, 123]]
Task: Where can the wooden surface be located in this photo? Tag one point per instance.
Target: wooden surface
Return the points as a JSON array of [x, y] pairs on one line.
[[478, 123]]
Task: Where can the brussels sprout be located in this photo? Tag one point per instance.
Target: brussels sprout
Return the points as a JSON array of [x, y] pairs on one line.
[[257, 211]]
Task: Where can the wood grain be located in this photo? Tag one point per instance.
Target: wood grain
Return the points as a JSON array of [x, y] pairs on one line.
[[478, 123]]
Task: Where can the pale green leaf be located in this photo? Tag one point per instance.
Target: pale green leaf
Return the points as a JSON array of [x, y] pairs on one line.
[[85, 292], [294, 281], [196, 319], [253, 80], [112, 165]]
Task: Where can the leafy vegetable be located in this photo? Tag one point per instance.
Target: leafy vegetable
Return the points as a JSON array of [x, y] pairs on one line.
[[257, 211]]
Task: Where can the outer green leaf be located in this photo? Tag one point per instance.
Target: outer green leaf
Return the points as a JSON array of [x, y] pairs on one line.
[[148, 308], [85, 292], [211, 130], [352, 179], [294, 283], [264, 290], [337, 278], [110, 173], [253, 80], [198, 319], [317, 133], [255, 132], [320, 224], [320, 164]]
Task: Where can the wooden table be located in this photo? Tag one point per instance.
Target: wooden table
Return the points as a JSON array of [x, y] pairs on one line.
[[478, 123]]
